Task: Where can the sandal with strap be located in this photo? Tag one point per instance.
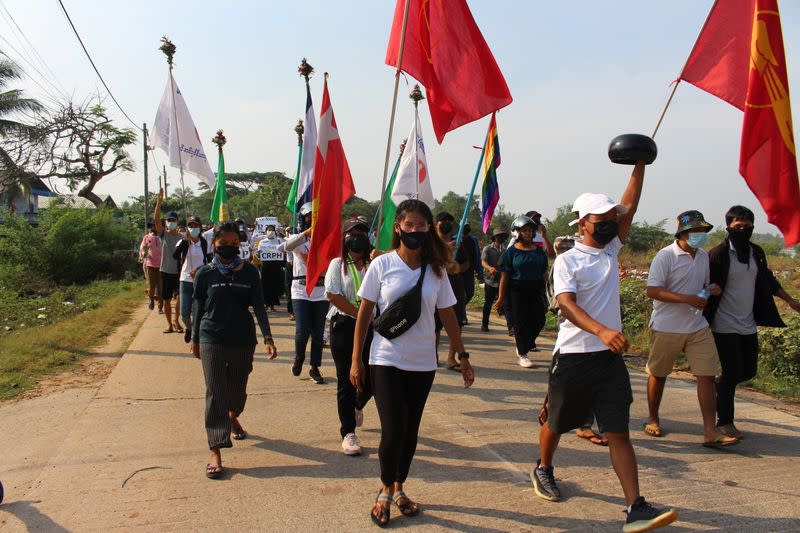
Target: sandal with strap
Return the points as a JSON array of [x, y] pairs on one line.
[[653, 429], [384, 514], [409, 508], [214, 471]]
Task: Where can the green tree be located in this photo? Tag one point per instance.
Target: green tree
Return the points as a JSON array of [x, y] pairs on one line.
[[13, 180], [559, 225]]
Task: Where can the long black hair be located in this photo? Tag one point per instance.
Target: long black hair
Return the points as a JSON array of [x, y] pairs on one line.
[[434, 250]]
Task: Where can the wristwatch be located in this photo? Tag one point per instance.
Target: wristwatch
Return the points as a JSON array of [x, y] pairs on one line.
[[463, 355]]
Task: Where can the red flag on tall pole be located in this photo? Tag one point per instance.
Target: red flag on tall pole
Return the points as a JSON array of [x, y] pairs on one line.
[[333, 186], [739, 57], [445, 50]]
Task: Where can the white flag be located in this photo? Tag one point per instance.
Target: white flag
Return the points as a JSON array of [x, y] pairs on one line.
[[174, 132], [413, 181], [305, 187]]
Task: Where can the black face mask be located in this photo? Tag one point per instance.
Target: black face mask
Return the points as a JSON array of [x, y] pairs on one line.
[[358, 243], [446, 227], [413, 239], [740, 238], [605, 231], [227, 252]]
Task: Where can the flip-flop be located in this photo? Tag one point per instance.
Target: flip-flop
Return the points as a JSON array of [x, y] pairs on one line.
[[721, 442], [410, 508], [384, 511], [594, 438], [170, 330], [455, 367], [239, 435], [653, 429], [214, 472]]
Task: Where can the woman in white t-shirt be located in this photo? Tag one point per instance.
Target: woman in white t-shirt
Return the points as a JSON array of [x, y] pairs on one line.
[[310, 310], [191, 253], [402, 369]]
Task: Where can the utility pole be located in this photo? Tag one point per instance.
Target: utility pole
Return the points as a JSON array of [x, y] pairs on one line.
[[146, 185], [165, 181]]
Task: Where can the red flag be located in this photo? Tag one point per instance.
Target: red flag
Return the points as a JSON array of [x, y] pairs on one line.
[[444, 49], [333, 186], [739, 57]]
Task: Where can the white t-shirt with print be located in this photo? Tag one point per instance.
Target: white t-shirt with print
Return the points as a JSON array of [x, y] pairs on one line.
[[388, 278], [193, 260], [592, 275]]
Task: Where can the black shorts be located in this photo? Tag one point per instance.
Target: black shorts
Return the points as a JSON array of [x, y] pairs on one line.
[[586, 383], [169, 286]]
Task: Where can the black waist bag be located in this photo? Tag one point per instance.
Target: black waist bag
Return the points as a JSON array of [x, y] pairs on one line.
[[403, 313]]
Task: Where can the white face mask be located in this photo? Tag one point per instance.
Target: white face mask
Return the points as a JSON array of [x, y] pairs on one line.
[[194, 232], [171, 225], [270, 234]]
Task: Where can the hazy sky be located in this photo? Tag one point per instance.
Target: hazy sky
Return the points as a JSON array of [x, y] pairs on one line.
[[580, 73]]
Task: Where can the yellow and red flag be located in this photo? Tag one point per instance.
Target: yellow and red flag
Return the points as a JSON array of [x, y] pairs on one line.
[[333, 186], [739, 57]]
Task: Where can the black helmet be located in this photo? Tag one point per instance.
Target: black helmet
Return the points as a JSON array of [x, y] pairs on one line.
[[521, 222], [630, 148]]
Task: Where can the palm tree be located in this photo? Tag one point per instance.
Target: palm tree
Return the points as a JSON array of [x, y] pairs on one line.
[[12, 105]]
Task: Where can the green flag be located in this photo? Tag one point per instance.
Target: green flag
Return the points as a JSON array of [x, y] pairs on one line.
[[291, 200], [386, 230], [219, 209]]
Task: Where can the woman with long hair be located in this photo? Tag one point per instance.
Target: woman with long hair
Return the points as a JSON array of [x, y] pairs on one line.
[[342, 282], [224, 338], [402, 369]]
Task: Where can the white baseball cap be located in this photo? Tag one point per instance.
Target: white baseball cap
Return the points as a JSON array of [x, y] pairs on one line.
[[590, 203]]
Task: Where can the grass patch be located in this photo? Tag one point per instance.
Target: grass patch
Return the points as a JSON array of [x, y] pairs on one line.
[[30, 352]]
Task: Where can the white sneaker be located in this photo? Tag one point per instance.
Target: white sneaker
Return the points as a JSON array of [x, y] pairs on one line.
[[359, 418], [525, 362], [351, 444]]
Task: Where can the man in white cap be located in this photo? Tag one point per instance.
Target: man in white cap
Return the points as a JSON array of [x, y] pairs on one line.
[[587, 373]]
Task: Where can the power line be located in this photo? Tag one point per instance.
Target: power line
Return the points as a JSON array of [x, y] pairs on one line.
[[6, 14], [89, 57]]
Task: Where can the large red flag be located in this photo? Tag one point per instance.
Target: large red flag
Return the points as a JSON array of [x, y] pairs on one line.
[[739, 57], [333, 186], [444, 49]]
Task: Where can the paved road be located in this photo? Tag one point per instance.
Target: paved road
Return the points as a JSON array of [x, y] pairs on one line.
[[129, 455]]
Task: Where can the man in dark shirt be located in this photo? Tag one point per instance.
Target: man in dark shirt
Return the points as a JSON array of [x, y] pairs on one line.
[[444, 227]]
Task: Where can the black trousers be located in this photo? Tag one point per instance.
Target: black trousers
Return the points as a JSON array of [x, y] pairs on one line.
[[348, 399], [400, 397], [489, 297], [527, 307], [738, 356]]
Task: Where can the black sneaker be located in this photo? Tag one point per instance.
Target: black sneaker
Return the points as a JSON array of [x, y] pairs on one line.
[[316, 377], [544, 484], [645, 517], [297, 367], [187, 335]]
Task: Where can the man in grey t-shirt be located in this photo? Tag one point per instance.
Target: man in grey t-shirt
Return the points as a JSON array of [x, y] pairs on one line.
[[490, 259], [170, 236]]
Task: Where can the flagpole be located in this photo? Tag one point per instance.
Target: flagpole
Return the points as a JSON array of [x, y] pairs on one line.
[[416, 96], [169, 50], [394, 109], [678, 80], [471, 194], [299, 130]]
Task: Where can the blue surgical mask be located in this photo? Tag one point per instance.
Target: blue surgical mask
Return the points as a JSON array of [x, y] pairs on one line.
[[171, 225], [194, 232], [697, 240], [270, 234]]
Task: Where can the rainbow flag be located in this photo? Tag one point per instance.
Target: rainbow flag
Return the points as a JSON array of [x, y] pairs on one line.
[[490, 194]]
